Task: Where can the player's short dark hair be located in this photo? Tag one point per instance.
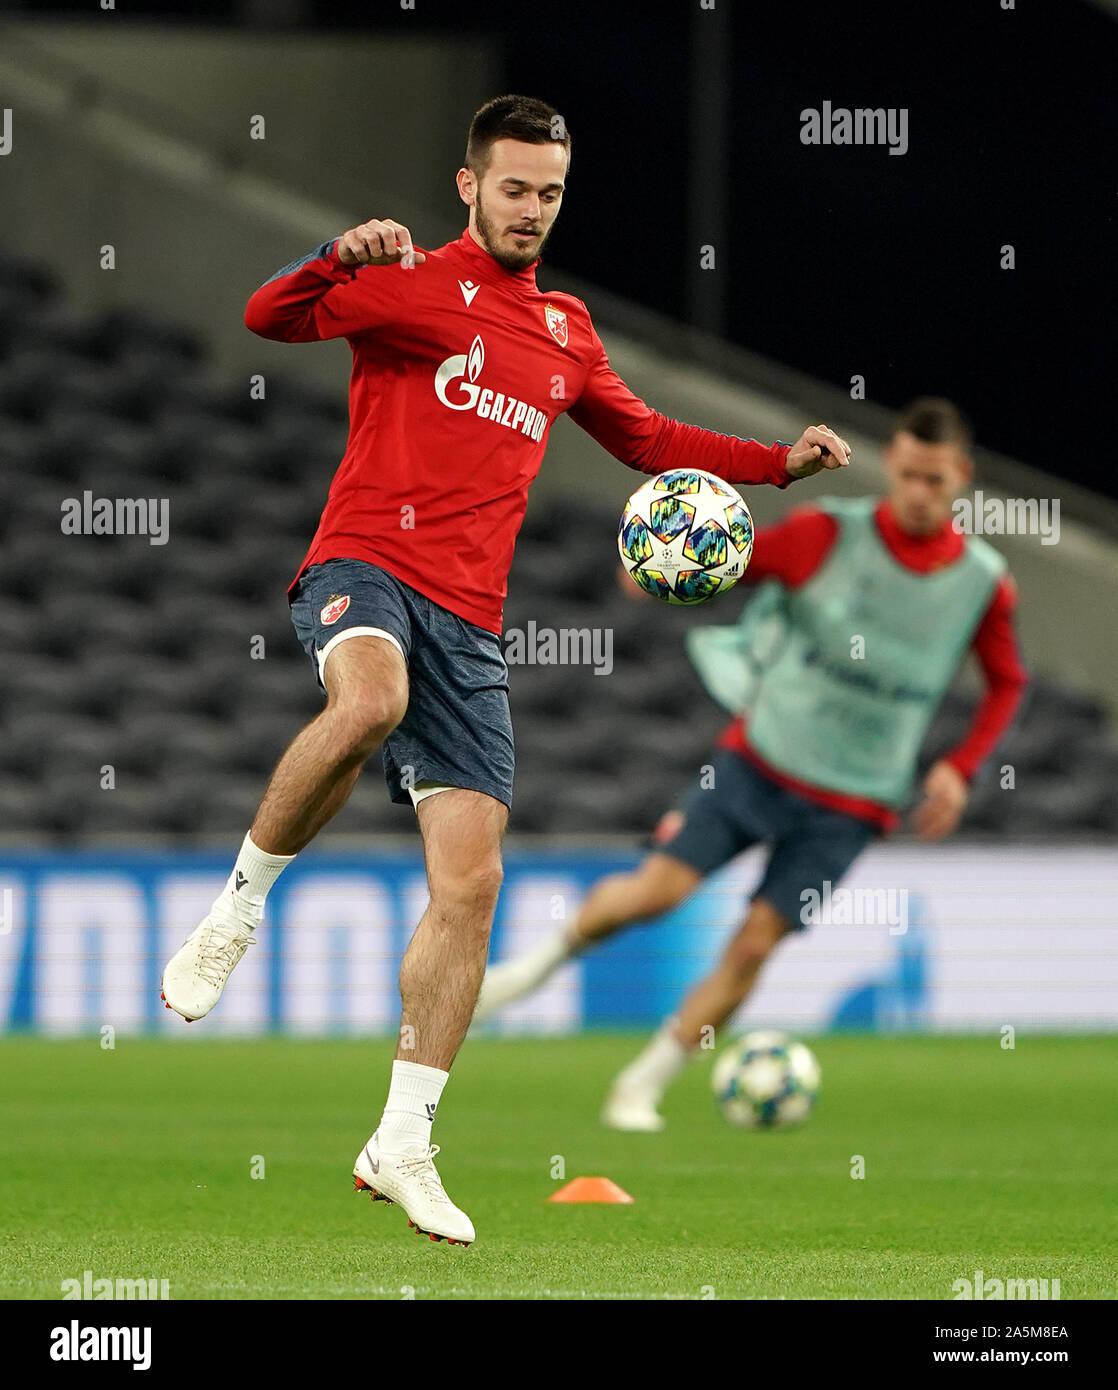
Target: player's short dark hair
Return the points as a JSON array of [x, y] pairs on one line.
[[513, 118], [936, 421]]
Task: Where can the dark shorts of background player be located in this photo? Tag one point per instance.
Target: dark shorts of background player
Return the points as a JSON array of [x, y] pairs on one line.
[[457, 731], [811, 844]]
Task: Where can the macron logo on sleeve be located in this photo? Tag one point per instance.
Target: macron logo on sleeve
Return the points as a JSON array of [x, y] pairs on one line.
[[469, 289]]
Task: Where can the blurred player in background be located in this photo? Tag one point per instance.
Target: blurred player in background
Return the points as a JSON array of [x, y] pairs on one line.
[[866, 610], [460, 367]]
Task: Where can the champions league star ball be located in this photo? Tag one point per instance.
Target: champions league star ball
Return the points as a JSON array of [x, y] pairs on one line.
[[685, 536], [766, 1081]]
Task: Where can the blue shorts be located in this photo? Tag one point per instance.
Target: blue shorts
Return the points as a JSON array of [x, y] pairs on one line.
[[739, 807], [457, 730]]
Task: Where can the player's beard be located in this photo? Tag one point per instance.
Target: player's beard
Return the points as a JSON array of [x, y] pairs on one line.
[[511, 257]]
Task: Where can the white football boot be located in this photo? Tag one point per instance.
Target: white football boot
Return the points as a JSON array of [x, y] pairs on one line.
[[632, 1108], [411, 1180], [196, 974], [511, 980]]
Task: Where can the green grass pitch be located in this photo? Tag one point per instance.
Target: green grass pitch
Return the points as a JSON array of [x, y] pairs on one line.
[[136, 1163]]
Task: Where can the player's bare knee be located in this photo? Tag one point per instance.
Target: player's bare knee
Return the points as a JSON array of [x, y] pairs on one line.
[[469, 892], [367, 693], [363, 724], [483, 883], [660, 884]]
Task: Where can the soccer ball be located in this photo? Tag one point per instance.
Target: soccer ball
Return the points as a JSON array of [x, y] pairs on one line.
[[766, 1081], [685, 535]]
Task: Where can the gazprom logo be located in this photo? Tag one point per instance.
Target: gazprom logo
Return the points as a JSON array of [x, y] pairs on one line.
[[455, 386]]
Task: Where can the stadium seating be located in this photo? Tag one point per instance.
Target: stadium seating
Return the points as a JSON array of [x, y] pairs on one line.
[[175, 666]]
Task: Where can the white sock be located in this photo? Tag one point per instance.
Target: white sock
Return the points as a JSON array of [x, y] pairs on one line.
[[547, 956], [413, 1097], [659, 1064], [247, 886]]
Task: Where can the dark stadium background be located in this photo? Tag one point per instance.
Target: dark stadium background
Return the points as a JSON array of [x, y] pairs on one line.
[[872, 264]]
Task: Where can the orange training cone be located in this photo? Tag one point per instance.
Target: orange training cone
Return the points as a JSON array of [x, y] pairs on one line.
[[590, 1190]]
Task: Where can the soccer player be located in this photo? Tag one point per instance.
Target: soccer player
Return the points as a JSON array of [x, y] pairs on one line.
[[460, 367], [867, 611]]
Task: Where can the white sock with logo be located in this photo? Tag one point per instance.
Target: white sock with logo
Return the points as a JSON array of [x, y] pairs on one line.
[[246, 888], [413, 1097], [658, 1065]]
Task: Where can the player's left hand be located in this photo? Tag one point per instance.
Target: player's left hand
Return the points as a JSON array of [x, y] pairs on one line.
[[818, 447], [945, 798]]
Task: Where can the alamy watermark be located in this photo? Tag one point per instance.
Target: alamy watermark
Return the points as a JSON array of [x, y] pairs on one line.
[[1008, 516], [564, 646], [864, 125], [116, 516], [855, 907], [980, 1287], [87, 1287], [78, 1343]]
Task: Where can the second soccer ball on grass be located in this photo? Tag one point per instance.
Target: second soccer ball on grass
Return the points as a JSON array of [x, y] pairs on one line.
[[766, 1081]]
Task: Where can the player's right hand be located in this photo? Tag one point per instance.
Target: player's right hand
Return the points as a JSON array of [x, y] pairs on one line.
[[378, 242], [817, 448]]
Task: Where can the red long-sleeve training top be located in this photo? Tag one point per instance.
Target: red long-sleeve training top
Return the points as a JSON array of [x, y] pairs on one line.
[[459, 369], [794, 549]]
